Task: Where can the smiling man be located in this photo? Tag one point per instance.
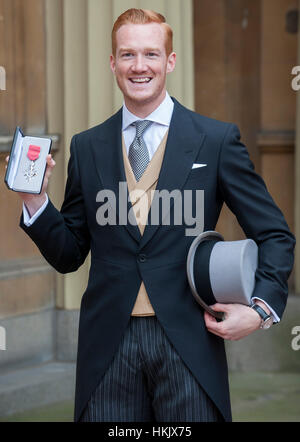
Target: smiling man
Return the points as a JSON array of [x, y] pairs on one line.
[[146, 351]]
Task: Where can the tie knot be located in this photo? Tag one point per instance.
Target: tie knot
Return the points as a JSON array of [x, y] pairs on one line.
[[141, 126]]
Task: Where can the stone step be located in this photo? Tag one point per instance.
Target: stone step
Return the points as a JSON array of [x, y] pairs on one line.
[[36, 386]]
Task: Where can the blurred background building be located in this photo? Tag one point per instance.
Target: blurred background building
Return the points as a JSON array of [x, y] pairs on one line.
[[235, 61]]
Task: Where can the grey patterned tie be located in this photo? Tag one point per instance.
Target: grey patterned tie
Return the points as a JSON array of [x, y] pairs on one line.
[[138, 154]]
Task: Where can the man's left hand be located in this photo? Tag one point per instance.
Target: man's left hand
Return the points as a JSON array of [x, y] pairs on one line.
[[240, 320]]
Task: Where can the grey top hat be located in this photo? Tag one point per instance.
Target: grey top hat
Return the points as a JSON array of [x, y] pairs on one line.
[[221, 271]]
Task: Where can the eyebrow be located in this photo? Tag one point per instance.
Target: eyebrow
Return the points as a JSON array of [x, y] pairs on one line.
[[133, 50]]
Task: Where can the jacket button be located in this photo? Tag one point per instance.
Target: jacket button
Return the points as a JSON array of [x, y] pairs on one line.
[[142, 257]]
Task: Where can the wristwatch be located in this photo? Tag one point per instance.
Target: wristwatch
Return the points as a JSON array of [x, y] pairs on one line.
[[266, 320]]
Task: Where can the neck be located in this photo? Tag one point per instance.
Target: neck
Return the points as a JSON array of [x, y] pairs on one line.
[[142, 110]]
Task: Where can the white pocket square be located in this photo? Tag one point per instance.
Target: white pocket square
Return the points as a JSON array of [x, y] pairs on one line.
[[196, 165]]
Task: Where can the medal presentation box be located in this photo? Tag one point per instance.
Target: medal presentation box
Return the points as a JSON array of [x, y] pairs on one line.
[[27, 163]]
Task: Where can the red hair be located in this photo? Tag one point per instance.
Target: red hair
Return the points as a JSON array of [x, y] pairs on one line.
[[141, 17]]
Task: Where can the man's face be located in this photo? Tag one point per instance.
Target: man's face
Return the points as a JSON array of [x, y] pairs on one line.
[[141, 64]]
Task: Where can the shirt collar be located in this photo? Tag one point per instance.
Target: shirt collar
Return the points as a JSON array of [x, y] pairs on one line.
[[161, 115]]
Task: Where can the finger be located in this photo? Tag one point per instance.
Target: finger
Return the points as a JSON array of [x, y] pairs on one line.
[[212, 324], [7, 159], [209, 318], [50, 165], [50, 160], [218, 307], [49, 169], [216, 332], [48, 173]]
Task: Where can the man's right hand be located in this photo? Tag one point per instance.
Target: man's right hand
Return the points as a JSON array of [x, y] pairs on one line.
[[32, 201]]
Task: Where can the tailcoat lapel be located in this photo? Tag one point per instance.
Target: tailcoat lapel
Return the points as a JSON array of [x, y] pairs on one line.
[[107, 151]]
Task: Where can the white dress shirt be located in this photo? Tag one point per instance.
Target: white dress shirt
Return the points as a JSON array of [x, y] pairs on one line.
[[153, 136]]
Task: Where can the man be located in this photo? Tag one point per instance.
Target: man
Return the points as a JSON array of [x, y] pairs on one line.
[[146, 351]]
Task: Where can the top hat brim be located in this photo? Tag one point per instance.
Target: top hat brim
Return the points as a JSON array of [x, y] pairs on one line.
[[209, 239]]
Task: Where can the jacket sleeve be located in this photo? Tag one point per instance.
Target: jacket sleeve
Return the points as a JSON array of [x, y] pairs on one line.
[[62, 236], [245, 193]]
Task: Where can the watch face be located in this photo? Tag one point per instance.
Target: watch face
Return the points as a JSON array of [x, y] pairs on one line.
[[267, 324]]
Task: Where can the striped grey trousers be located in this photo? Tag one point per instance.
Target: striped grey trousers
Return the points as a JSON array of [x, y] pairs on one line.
[[147, 381]]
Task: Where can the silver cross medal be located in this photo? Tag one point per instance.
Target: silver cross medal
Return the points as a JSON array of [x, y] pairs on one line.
[[33, 154]]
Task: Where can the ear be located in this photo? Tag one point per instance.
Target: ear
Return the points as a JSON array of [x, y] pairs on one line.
[[112, 64], [171, 62]]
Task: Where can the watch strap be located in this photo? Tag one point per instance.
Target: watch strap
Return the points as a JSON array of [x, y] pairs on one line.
[[264, 315]]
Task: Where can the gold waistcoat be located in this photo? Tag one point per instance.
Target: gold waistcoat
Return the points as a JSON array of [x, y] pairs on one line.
[[141, 202]]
